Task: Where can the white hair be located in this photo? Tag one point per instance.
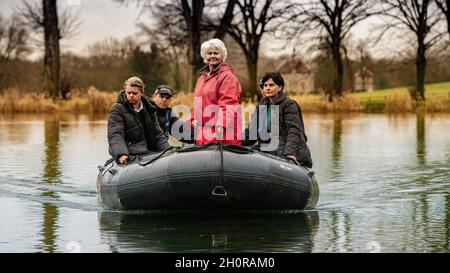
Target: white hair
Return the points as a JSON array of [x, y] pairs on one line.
[[213, 43]]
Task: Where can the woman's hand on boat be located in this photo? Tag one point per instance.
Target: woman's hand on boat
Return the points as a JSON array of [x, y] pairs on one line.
[[291, 157], [194, 123], [123, 159]]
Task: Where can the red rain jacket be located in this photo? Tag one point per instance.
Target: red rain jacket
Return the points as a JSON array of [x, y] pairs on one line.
[[218, 97]]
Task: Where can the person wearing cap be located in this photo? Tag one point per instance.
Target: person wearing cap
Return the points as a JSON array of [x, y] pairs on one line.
[[133, 125], [218, 88], [161, 99], [291, 130]]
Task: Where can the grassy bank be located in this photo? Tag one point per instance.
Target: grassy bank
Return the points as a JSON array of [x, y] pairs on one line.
[[387, 100], [95, 101], [398, 99]]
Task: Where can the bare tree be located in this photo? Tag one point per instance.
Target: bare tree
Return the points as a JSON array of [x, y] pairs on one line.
[[32, 15], [13, 38], [418, 17], [2, 25], [227, 18], [111, 52], [192, 15], [184, 19], [444, 6], [187, 16], [331, 21], [44, 17], [171, 41], [251, 21]]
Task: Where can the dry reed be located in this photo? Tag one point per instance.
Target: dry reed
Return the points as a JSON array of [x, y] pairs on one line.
[[13, 101], [437, 104], [95, 101], [398, 102]]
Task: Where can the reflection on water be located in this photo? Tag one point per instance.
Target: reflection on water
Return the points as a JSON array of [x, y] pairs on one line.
[[337, 133], [421, 148], [384, 179], [422, 212], [447, 225], [52, 175], [49, 228], [52, 172], [209, 231]]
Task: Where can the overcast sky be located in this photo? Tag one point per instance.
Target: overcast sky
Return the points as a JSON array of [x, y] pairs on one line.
[[105, 18], [100, 19]]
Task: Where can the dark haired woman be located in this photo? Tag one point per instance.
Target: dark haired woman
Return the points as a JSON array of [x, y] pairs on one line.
[[283, 136]]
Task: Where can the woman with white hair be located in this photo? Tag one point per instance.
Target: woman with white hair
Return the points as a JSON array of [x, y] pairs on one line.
[[220, 92]]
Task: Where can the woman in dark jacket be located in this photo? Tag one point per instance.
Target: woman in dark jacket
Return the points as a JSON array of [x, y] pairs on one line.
[[285, 136], [133, 127]]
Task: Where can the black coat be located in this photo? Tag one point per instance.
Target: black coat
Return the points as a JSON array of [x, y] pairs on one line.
[[166, 119], [292, 136], [128, 135]]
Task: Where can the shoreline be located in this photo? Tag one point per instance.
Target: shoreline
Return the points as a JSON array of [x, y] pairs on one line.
[[94, 101]]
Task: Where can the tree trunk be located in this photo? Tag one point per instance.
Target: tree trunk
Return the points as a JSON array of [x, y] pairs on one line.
[[420, 66], [338, 71], [225, 23], [196, 60], [421, 139], [252, 67], [448, 24], [447, 15], [52, 50]]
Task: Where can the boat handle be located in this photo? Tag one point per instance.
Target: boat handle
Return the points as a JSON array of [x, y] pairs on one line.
[[219, 191]]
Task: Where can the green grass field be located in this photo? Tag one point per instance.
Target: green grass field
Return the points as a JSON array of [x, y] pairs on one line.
[[435, 89], [394, 99]]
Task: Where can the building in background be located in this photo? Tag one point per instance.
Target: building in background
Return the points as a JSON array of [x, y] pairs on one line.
[[364, 80], [298, 77]]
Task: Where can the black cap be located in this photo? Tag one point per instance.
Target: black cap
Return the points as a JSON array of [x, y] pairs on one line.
[[163, 89]]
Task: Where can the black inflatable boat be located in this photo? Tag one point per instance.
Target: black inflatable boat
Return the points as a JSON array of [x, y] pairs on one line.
[[214, 176]]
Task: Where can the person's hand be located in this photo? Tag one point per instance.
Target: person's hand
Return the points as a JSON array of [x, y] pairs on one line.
[[292, 157], [123, 159], [194, 123], [219, 130]]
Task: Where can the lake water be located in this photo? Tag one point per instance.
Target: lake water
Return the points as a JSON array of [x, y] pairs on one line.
[[384, 182]]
